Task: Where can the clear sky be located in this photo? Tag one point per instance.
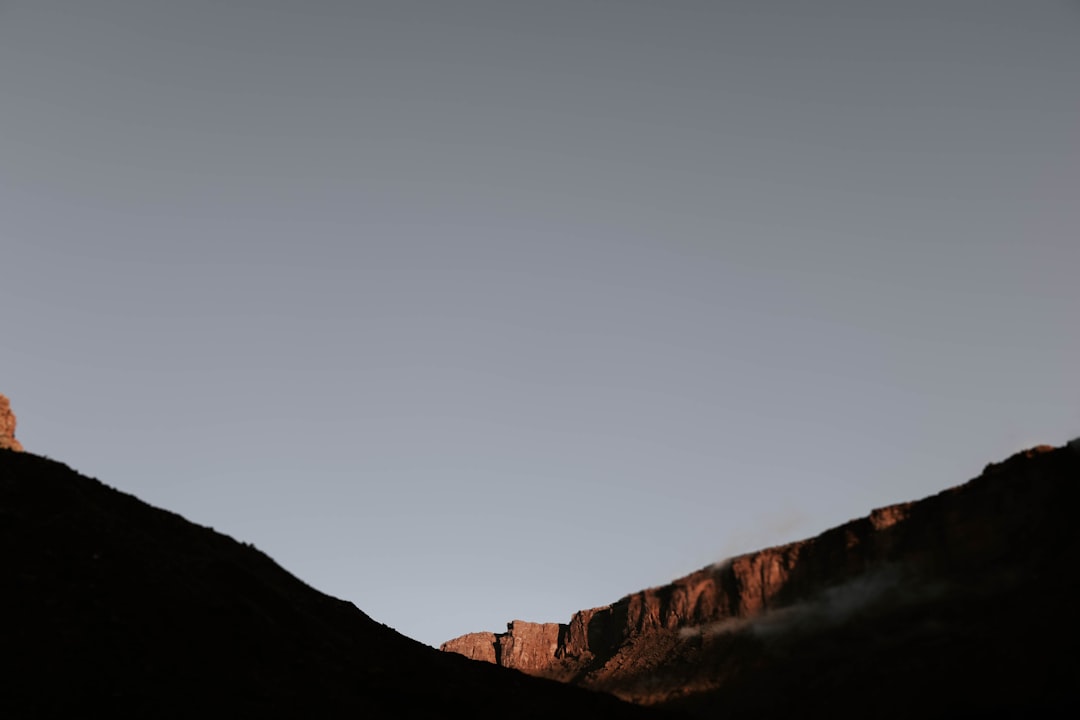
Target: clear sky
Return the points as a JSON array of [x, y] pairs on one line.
[[471, 311]]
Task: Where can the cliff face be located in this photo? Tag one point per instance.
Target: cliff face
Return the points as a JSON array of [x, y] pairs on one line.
[[933, 576], [529, 647]]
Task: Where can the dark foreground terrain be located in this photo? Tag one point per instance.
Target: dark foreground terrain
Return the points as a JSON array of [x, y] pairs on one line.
[[109, 605], [958, 605], [963, 604]]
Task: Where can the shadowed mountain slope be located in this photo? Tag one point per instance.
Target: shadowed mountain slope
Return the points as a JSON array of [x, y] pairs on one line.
[[109, 604], [960, 604]]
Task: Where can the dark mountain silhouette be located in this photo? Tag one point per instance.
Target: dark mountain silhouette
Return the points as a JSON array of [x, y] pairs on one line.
[[961, 604], [112, 606]]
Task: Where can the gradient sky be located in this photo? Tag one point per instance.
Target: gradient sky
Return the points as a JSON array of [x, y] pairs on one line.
[[471, 311]]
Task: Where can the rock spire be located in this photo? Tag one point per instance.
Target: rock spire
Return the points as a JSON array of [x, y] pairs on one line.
[[7, 426]]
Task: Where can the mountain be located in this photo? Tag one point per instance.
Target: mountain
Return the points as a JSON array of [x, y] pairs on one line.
[[960, 604], [109, 605]]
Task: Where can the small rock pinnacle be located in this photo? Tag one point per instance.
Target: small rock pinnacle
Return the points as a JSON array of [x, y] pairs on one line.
[[7, 426]]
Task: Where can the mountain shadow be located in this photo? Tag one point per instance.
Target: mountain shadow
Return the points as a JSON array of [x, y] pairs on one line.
[[109, 605]]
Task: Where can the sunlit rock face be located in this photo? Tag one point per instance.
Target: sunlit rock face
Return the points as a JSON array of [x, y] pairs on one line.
[[530, 647], [475, 646], [7, 426], [957, 599]]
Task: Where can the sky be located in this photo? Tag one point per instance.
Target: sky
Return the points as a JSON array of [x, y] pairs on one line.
[[471, 311]]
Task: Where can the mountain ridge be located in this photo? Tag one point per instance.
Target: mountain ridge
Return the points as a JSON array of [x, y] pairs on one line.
[[687, 642], [109, 603]]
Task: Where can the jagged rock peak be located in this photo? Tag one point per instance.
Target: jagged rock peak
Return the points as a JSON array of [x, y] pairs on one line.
[[7, 426]]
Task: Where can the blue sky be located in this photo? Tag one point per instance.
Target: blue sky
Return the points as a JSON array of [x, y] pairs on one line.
[[474, 311]]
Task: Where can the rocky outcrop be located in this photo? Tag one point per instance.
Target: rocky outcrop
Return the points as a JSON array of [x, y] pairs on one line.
[[941, 570], [530, 647], [7, 426], [475, 646]]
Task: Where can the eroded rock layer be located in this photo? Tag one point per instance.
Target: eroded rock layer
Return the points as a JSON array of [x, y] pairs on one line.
[[945, 596]]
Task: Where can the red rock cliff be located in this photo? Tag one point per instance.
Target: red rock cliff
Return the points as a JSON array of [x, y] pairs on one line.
[[669, 642], [529, 647]]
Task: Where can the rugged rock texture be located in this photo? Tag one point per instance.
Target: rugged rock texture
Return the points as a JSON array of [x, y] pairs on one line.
[[110, 607], [7, 426], [475, 646], [958, 603], [529, 647]]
